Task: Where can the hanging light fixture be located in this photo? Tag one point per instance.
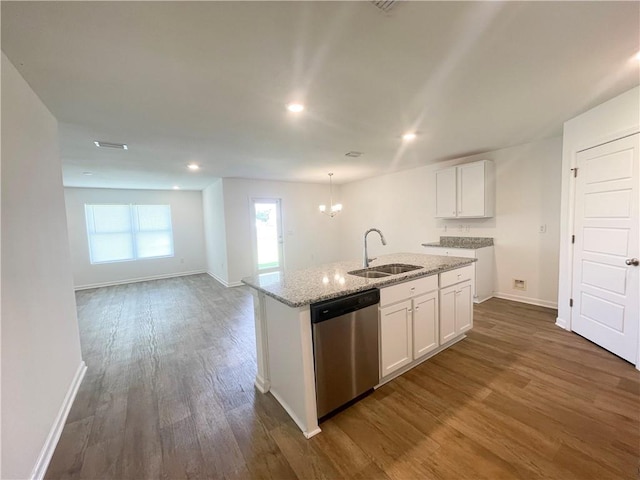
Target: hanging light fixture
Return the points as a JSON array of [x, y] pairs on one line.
[[333, 209]]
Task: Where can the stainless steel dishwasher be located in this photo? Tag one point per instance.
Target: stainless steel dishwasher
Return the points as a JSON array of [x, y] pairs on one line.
[[345, 347]]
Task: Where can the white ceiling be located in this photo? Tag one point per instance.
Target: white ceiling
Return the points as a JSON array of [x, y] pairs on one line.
[[208, 81]]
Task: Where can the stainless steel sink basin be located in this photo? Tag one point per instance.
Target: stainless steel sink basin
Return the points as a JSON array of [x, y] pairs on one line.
[[381, 271], [369, 274], [394, 268]]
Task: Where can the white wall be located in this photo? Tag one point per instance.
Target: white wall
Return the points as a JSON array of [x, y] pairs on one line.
[[613, 119], [215, 231], [40, 340], [402, 205], [310, 238], [188, 236]]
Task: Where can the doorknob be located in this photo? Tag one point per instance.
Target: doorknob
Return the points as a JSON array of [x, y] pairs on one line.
[[632, 261]]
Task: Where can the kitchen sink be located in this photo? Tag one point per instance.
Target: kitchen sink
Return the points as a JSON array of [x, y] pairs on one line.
[[394, 268], [369, 274], [381, 271]]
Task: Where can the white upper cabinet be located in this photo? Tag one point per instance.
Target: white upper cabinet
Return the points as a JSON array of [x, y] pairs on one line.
[[446, 193], [466, 191]]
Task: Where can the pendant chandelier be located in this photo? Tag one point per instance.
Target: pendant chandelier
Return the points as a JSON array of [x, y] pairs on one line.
[[333, 209]]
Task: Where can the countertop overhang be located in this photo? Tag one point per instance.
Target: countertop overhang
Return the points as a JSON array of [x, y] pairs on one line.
[[302, 287]]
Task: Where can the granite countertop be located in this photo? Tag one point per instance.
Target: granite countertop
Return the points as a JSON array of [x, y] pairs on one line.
[[462, 242], [302, 287]]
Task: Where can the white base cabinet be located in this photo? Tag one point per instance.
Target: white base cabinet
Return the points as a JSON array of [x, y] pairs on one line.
[[408, 327], [419, 316], [456, 303], [425, 324], [455, 311], [395, 337], [483, 275]]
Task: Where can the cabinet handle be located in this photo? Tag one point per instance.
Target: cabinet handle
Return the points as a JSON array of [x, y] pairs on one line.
[[416, 308], [410, 310]]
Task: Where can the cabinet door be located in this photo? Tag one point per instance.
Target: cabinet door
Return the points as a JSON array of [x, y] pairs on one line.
[[395, 337], [464, 307], [425, 324], [471, 190], [447, 314], [446, 193]]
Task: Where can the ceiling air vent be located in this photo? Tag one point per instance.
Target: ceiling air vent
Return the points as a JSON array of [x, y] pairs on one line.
[[120, 146], [383, 5], [353, 154]]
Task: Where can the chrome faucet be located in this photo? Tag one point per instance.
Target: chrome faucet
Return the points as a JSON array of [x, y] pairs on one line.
[[366, 259]]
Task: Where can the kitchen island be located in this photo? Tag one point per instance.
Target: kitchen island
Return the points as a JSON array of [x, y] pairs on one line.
[[284, 344]]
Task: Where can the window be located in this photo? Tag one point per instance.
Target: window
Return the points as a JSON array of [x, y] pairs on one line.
[[119, 233]]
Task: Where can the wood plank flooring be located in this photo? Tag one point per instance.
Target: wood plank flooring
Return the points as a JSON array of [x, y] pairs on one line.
[[169, 394]]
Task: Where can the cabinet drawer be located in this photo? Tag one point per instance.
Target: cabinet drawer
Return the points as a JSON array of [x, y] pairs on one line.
[[456, 276], [402, 291]]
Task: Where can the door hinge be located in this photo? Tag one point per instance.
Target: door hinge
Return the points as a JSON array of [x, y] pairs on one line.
[[571, 302], [573, 239], [575, 172]]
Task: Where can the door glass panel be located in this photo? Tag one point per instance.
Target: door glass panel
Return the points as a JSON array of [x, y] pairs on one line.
[[268, 236]]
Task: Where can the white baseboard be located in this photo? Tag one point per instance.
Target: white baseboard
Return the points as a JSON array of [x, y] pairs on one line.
[[482, 299], [529, 300], [139, 279], [261, 384], [224, 282], [42, 463], [562, 323], [294, 417]]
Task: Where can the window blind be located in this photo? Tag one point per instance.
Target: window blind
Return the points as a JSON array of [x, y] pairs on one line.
[[119, 233]]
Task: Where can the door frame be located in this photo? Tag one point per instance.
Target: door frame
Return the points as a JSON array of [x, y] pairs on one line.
[[254, 239], [565, 321]]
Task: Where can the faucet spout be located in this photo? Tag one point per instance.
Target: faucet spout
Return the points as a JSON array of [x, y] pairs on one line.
[[366, 259]]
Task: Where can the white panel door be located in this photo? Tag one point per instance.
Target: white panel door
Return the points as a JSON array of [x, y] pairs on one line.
[[471, 190], [425, 324], [605, 279], [446, 193], [395, 337]]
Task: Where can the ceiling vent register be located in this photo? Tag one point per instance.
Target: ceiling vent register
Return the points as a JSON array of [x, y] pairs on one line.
[[120, 146]]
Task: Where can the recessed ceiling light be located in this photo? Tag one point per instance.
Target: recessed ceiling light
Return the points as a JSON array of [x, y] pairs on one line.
[[176, 187], [120, 146], [87, 173], [193, 166], [409, 136], [295, 107]]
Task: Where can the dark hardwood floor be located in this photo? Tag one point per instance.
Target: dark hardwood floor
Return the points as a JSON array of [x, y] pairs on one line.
[[169, 394]]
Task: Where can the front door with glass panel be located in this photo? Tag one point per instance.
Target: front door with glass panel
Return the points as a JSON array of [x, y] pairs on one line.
[[267, 235]]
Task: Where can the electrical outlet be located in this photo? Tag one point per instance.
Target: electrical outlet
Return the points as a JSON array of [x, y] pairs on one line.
[[543, 228], [519, 284]]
